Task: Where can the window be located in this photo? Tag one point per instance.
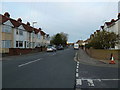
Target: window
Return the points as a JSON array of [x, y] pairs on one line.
[[17, 32], [6, 43], [28, 44], [16, 43], [20, 32], [20, 43], [38, 36], [25, 44], [33, 44], [33, 35], [6, 28]]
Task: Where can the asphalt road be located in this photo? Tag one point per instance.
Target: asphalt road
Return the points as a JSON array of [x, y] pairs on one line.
[[95, 74], [40, 70], [58, 70]]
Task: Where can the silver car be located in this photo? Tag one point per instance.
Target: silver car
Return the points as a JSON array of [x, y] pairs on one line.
[[51, 48]]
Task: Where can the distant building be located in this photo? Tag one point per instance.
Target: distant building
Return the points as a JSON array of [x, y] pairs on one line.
[[80, 42]]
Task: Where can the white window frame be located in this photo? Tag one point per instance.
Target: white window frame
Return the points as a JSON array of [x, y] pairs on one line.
[[6, 29], [6, 43]]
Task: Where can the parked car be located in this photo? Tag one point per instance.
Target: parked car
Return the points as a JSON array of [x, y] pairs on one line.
[[54, 48], [51, 48], [60, 47]]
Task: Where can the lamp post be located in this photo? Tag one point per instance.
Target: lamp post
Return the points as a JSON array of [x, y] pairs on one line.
[[33, 24], [33, 34]]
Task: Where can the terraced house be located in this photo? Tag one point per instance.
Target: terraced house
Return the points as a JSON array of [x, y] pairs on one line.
[[113, 26], [16, 34]]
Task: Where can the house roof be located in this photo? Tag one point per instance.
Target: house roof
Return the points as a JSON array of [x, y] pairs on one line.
[[27, 27], [108, 23], [42, 33], [3, 19], [17, 23], [113, 20], [80, 41], [97, 30], [102, 27], [36, 30]]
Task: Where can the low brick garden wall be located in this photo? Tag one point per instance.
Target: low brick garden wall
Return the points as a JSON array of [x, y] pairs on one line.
[[20, 51], [103, 54]]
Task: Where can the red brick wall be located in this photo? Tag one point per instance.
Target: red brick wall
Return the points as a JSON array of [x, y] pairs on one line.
[[20, 51]]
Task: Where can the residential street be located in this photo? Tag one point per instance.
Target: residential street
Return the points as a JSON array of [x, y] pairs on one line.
[[58, 70], [40, 70]]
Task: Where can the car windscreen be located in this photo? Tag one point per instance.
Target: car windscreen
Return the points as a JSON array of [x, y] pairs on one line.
[[49, 47]]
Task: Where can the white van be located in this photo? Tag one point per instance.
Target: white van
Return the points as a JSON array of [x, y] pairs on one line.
[[76, 46]]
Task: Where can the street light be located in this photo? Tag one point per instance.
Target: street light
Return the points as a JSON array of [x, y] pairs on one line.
[[33, 24], [33, 30]]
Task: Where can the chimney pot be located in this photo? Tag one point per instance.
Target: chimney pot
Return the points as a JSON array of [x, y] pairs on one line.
[[40, 29], [28, 23], [7, 14], [19, 20]]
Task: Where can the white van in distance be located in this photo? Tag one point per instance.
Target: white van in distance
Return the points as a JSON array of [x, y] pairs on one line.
[[76, 46]]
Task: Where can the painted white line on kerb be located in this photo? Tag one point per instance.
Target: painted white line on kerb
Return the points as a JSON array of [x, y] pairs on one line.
[[90, 82], [28, 62], [78, 62], [77, 66], [78, 82]]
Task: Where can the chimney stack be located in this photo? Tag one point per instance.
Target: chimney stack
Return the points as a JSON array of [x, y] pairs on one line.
[[19, 20], [28, 23], [7, 14], [40, 29], [112, 20]]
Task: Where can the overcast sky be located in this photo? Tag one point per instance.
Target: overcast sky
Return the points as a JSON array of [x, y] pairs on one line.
[[77, 19]]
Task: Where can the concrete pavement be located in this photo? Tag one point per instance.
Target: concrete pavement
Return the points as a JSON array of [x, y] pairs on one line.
[[83, 57], [95, 74]]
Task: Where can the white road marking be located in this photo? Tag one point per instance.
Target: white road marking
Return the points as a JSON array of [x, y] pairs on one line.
[[109, 79], [75, 58], [28, 62], [77, 74], [78, 82], [76, 54], [103, 79], [90, 82], [77, 66], [76, 70]]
